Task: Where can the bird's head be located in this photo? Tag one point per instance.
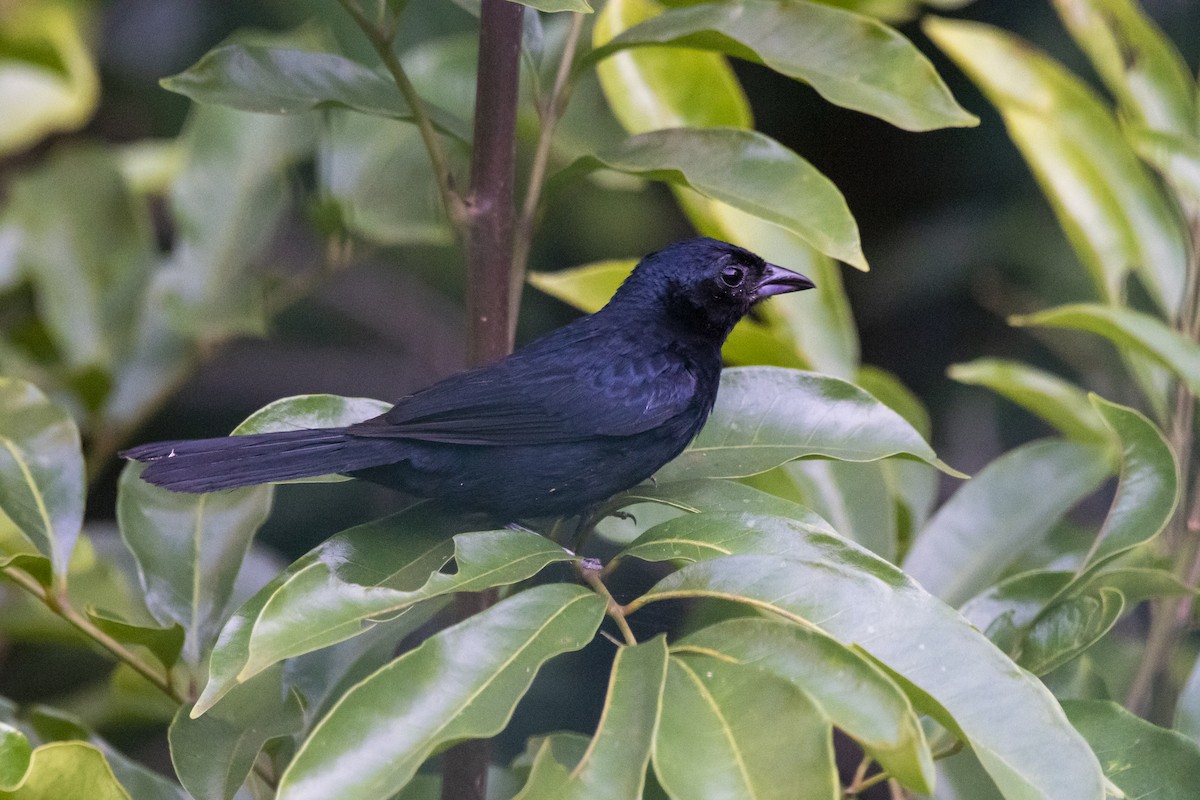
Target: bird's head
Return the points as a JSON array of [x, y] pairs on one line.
[[706, 285]]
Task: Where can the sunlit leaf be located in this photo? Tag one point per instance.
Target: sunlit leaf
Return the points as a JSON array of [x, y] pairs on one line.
[[613, 766], [189, 549], [461, 683], [554, 6], [732, 731], [743, 168], [1058, 402], [41, 471], [1115, 216], [1011, 504], [817, 580], [1142, 759], [58, 770], [1126, 328], [15, 753], [852, 692], [1176, 158], [766, 416], [812, 43]]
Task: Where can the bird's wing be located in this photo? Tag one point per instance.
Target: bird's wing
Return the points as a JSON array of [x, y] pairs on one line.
[[542, 397]]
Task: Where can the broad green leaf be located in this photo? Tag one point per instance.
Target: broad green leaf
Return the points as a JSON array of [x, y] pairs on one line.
[[189, 549], [282, 80], [890, 390], [721, 496], [1068, 628], [614, 764], [812, 43], [1187, 709], [1142, 759], [733, 731], [650, 89], [1176, 158], [767, 416], [48, 80], [1009, 506], [1149, 485], [1116, 218], [41, 471], [15, 753], [852, 692], [165, 643], [1129, 329], [855, 498], [400, 551], [554, 6], [1137, 63], [213, 754], [824, 582], [317, 606], [86, 246], [589, 287], [360, 161], [743, 168], [68, 771], [1058, 402], [463, 682]]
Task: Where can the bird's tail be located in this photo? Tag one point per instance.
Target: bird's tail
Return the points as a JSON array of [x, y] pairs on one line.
[[206, 465]]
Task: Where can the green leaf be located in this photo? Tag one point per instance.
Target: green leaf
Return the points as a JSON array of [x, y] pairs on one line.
[[1142, 759], [855, 498], [165, 643], [820, 581], [15, 754], [68, 771], [317, 606], [745, 169], [554, 6], [852, 692], [614, 764], [1137, 63], [1068, 628], [1058, 402], [1129, 329], [1187, 709], [891, 391], [591, 286], [399, 551], [1116, 218], [214, 754], [767, 416], [41, 471], [58, 92], [189, 549], [282, 80], [1148, 491], [732, 731], [812, 43], [87, 248], [461, 683], [1176, 158], [720, 496], [650, 89], [1009, 506]]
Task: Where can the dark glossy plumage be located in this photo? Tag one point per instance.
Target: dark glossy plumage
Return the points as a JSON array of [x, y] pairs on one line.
[[591, 409]]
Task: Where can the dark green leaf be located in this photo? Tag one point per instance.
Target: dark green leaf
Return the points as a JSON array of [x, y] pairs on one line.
[[281, 80], [812, 43], [1142, 759], [729, 731], [745, 169], [165, 643], [852, 692], [1068, 628], [1007, 507], [214, 753], [816, 580], [1062, 404], [461, 683], [189, 549], [764, 417], [41, 471], [613, 767], [1115, 216]]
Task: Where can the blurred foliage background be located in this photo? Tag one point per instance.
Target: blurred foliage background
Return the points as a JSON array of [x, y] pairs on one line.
[[956, 231]]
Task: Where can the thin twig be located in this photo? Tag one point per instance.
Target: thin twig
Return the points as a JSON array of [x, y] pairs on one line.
[[381, 40], [591, 569]]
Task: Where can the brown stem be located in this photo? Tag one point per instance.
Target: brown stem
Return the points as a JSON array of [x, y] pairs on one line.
[[591, 570], [490, 216]]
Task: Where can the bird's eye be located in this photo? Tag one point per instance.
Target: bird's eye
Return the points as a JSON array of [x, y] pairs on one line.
[[733, 276]]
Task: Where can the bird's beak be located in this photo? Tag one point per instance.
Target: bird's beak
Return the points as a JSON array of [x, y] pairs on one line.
[[777, 280]]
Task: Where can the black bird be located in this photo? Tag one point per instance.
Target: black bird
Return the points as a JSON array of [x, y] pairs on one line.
[[566, 422]]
